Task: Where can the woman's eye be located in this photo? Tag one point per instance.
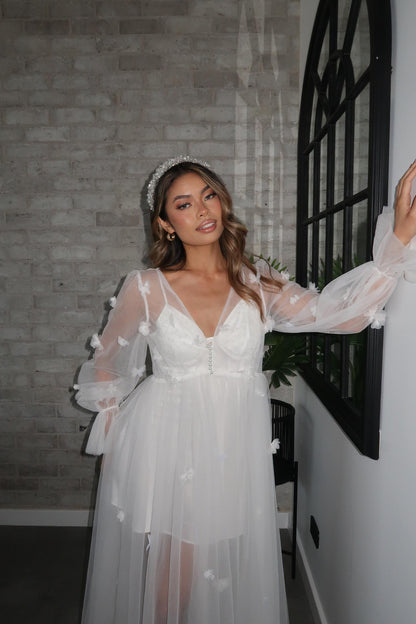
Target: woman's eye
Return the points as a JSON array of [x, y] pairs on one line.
[[183, 206], [211, 195]]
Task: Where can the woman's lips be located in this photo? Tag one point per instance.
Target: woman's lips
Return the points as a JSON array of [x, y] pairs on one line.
[[207, 226]]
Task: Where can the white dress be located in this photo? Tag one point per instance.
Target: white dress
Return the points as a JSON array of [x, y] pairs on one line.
[[185, 528]]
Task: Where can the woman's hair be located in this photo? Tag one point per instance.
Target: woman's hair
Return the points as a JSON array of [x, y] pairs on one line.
[[170, 255]]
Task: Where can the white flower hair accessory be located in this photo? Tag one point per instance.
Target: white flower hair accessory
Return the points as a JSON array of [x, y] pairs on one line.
[[165, 166]]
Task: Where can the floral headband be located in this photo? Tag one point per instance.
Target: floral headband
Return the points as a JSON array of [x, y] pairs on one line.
[[161, 170]]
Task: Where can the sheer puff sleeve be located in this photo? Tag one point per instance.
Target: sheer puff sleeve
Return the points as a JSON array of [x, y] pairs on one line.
[[118, 362], [350, 302]]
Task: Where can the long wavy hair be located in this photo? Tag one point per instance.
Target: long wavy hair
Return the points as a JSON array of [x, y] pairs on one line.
[[171, 255]]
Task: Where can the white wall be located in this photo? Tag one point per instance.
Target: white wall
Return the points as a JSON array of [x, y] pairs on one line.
[[363, 572]]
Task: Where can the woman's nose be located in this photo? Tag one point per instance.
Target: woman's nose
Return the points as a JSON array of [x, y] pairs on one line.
[[203, 209]]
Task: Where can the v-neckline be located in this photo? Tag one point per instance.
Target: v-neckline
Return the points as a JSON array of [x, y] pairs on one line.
[[189, 315]]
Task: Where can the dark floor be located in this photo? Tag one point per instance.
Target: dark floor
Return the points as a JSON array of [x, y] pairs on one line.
[[43, 573]]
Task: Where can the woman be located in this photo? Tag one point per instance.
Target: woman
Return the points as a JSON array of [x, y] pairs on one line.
[[185, 529]]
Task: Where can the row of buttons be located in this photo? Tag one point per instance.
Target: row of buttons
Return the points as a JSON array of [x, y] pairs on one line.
[[210, 346]]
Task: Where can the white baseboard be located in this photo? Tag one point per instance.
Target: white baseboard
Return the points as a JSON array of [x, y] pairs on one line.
[[318, 612], [69, 517], [46, 517]]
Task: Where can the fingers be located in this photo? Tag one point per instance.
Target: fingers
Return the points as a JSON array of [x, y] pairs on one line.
[[406, 180]]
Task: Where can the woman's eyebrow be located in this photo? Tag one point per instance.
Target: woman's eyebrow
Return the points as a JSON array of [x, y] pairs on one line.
[[186, 196], [180, 197]]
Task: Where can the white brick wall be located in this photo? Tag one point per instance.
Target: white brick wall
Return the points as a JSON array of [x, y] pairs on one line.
[[92, 96]]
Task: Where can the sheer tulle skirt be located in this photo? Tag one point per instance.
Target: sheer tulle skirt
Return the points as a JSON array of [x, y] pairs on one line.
[[185, 527]]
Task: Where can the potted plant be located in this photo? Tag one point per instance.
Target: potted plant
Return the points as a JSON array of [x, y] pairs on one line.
[[284, 354]]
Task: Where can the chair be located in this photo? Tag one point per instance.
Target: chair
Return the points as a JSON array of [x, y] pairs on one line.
[[284, 464]]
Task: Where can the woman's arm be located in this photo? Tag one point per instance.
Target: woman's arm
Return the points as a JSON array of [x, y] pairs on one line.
[[118, 362], [355, 299]]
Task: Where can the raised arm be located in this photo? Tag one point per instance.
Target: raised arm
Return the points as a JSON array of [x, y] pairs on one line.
[[355, 299]]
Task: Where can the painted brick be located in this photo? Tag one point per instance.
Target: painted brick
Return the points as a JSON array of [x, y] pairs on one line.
[[36, 500], [181, 77], [31, 348], [129, 62], [94, 27], [19, 484], [47, 27], [49, 64], [10, 28], [7, 470], [24, 9], [61, 269], [165, 7], [40, 470], [71, 82], [54, 484], [73, 8], [72, 45], [24, 83], [47, 98], [101, 64], [209, 8], [74, 115], [26, 116], [188, 132], [15, 333], [43, 441], [48, 134], [26, 425], [141, 26], [186, 25], [94, 95], [49, 168], [109, 8], [84, 471]]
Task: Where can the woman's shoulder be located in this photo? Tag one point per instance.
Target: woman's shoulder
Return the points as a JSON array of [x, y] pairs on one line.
[[147, 280], [146, 273]]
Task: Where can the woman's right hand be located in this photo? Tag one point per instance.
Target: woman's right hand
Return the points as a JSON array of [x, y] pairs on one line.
[[404, 208]]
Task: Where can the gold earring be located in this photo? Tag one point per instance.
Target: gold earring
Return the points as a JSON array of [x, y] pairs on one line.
[[170, 236]]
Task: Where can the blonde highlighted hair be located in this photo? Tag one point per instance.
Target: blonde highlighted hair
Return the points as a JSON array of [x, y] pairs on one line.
[[171, 255]]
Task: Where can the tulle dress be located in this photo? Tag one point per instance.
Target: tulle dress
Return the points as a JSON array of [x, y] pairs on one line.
[[185, 528]]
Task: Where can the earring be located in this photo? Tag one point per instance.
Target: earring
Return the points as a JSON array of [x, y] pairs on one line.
[[170, 236]]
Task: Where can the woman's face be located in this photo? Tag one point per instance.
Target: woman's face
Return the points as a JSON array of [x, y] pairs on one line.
[[193, 211]]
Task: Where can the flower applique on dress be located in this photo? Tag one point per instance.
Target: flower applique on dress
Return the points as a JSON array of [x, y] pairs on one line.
[[122, 341], [144, 288], [187, 475], [275, 445], [220, 584], [377, 318], [95, 343], [138, 372], [209, 575], [144, 328]]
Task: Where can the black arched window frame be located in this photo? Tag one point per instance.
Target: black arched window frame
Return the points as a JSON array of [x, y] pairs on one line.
[[334, 91]]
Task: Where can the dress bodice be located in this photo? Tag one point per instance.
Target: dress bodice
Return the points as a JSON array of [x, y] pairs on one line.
[[180, 350]]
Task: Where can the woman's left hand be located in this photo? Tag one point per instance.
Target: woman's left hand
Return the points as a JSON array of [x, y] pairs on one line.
[[404, 208]]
